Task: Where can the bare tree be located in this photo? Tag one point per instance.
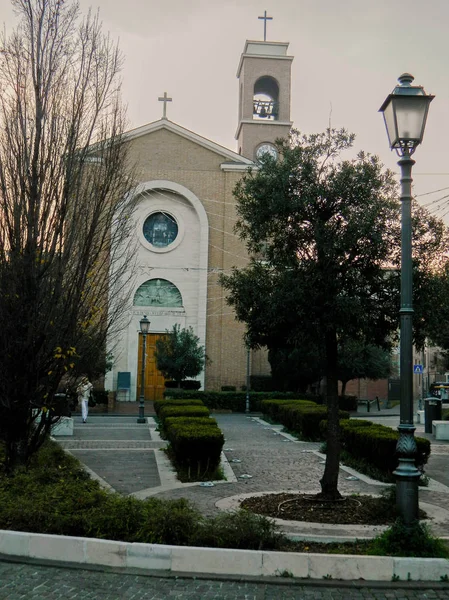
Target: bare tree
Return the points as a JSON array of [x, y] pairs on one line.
[[64, 211]]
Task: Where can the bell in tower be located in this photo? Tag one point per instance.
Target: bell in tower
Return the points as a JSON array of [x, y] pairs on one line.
[[266, 99], [264, 75]]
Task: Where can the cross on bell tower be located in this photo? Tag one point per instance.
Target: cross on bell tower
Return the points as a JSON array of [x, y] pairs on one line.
[[265, 19]]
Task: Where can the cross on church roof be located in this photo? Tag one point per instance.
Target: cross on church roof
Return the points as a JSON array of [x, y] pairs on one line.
[[265, 19], [165, 99]]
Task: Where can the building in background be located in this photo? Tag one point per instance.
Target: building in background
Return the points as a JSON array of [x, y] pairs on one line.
[[184, 227]]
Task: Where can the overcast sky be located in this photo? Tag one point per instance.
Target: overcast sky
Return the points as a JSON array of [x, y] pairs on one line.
[[347, 57]]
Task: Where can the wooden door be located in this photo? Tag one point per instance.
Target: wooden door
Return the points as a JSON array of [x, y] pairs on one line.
[[154, 380]]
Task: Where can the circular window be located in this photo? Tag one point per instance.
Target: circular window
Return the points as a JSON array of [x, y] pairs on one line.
[[160, 229]]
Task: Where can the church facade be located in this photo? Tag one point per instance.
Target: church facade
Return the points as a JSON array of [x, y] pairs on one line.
[[184, 229]]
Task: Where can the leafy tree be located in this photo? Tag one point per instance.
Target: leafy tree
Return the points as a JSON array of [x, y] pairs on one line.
[[64, 211], [296, 368], [357, 360], [329, 230], [180, 354]]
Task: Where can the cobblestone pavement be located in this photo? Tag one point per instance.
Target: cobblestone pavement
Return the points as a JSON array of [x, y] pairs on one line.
[[118, 449], [275, 464], [42, 583], [122, 453]]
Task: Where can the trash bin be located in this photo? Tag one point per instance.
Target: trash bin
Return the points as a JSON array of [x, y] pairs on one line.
[[432, 412]]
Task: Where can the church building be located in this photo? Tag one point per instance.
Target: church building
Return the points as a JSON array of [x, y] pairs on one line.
[[185, 221]]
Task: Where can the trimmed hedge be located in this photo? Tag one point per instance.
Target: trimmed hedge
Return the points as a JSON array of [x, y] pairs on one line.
[[236, 401], [175, 402], [196, 446], [187, 384], [182, 411], [377, 444], [271, 408], [306, 420], [203, 421], [302, 417]]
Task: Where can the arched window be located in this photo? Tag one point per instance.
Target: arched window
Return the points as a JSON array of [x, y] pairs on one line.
[[266, 99], [158, 293]]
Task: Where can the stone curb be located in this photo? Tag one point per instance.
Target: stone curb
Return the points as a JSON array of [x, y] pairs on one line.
[[196, 561]]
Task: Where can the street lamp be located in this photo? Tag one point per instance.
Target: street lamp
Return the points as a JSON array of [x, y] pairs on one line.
[[405, 113], [144, 329]]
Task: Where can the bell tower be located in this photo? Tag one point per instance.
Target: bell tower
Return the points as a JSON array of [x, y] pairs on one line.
[[264, 75]]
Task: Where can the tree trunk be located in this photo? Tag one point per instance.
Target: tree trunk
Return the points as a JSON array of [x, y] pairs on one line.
[[329, 481], [343, 387]]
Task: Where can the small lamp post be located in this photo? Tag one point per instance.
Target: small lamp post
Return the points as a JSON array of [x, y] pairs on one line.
[[144, 329], [405, 113]]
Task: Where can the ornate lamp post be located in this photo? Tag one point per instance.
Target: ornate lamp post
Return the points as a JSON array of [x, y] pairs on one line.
[[144, 329], [405, 113]]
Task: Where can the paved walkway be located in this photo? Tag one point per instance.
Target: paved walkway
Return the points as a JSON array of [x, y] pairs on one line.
[[42, 583], [125, 456]]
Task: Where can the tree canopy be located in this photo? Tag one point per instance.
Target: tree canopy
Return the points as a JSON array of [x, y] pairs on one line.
[[324, 236], [64, 211], [179, 355]]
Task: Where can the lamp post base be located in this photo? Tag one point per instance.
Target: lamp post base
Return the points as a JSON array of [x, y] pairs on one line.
[[407, 475], [141, 417]]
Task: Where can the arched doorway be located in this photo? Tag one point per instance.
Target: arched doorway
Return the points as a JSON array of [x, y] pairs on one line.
[[154, 294]]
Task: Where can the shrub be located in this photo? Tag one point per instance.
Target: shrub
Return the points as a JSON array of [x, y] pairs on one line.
[[56, 496], [153, 521], [413, 540], [271, 408], [241, 530], [187, 384], [203, 421], [236, 401], [228, 388], [182, 411], [196, 447], [377, 444], [175, 402], [306, 420]]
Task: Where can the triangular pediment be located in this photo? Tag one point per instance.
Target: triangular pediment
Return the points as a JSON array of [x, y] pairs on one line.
[[230, 158]]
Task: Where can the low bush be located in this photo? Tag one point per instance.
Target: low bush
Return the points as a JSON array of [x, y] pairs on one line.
[[182, 411], [187, 384], [56, 496], [412, 540], [240, 530], [203, 421], [196, 447], [271, 407], [377, 444], [236, 401], [175, 402], [228, 388], [306, 421]]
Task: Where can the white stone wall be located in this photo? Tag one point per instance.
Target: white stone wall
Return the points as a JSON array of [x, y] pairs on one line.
[[183, 263]]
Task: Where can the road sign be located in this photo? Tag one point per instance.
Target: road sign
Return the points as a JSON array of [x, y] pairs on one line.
[[418, 369]]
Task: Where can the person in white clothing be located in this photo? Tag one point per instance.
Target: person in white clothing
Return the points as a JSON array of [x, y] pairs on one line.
[[83, 391]]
